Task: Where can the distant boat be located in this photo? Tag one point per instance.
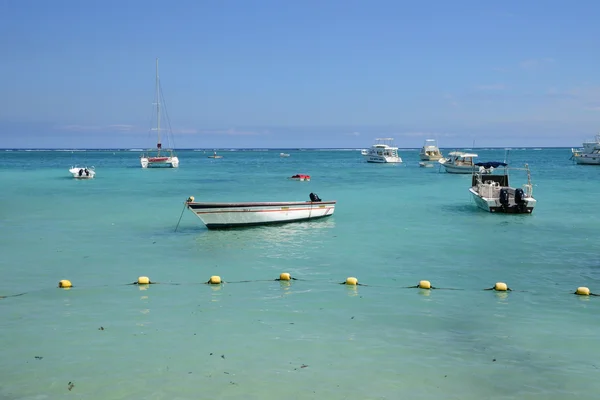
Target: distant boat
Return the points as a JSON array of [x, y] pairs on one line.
[[168, 160], [232, 215], [459, 163], [301, 177], [215, 155], [383, 151], [589, 154], [82, 172], [284, 155], [430, 151]]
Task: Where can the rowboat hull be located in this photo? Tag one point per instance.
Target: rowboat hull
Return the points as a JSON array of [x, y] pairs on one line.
[[232, 215], [459, 169]]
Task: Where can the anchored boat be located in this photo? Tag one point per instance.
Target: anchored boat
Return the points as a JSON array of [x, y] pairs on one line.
[[493, 193], [231, 215], [430, 151], [459, 163], [161, 158], [83, 172], [383, 151], [589, 154]]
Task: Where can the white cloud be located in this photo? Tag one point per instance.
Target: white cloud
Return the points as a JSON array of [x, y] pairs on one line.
[[233, 132], [494, 86], [96, 128], [79, 128], [120, 127], [185, 131], [535, 63], [451, 100], [424, 134]]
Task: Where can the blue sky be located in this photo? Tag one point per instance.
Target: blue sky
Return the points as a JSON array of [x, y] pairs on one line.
[[312, 73]]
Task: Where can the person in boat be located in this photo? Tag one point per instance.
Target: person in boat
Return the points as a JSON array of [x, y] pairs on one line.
[[87, 173], [80, 172]]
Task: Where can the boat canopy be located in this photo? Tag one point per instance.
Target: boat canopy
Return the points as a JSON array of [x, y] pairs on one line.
[[491, 164], [461, 154]]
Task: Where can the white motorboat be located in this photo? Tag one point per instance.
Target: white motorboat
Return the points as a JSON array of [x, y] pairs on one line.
[[215, 155], [589, 154], [83, 172], [159, 158], [430, 151], [459, 163], [383, 151], [493, 193], [284, 155], [232, 215], [590, 145]]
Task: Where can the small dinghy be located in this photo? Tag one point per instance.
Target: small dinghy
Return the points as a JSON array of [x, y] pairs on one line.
[[301, 177]]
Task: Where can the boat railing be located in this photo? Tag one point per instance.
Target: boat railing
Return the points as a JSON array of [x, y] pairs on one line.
[[527, 187]]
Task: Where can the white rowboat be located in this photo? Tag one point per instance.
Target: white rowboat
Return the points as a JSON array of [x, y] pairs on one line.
[[230, 215]]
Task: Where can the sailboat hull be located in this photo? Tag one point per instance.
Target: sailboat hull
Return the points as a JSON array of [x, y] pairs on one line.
[[159, 162]]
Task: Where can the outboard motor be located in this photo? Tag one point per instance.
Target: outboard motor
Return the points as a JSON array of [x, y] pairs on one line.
[[504, 197], [314, 197], [520, 199]]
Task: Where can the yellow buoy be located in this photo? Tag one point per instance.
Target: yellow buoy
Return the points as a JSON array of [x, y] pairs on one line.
[[285, 276], [215, 280], [143, 280], [65, 284], [500, 287], [582, 291], [424, 285], [352, 281]]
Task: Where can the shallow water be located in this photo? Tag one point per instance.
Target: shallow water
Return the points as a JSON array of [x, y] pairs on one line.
[[312, 338]]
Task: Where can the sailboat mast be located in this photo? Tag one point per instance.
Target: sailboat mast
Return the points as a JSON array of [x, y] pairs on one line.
[[158, 146]]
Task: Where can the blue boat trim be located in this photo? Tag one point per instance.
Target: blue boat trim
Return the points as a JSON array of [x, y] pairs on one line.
[[200, 206]]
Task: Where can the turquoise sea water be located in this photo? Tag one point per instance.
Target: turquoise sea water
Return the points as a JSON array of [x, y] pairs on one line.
[[312, 338]]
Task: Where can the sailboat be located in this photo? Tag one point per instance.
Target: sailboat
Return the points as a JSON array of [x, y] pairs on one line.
[[166, 159]]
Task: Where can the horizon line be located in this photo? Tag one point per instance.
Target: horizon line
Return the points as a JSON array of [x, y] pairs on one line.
[[273, 148]]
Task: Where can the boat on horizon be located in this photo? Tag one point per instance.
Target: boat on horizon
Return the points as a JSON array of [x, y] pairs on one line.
[[430, 151], [218, 215], [214, 155], [167, 159], [589, 154], [83, 172], [383, 151]]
